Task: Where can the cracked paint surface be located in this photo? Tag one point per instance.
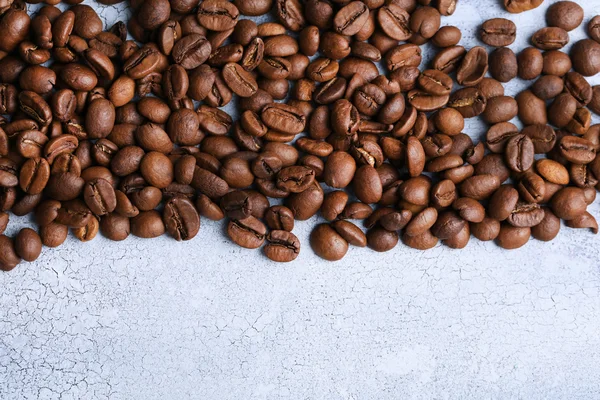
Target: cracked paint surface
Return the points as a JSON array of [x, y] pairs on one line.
[[164, 320]]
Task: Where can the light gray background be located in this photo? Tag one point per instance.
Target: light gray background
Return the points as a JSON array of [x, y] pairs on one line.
[[207, 320]]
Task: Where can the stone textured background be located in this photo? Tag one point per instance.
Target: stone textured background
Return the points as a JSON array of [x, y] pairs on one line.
[[163, 320]]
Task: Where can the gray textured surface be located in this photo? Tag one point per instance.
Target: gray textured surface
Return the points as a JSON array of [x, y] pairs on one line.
[[163, 320]]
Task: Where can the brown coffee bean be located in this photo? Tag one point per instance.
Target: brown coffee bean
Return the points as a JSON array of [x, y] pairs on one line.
[[577, 150], [447, 225], [181, 219], [567, 15], [585, 55], [295, 179], [552, 171], [530, 62], [551, 38], [147, 225], [532, 110], [520, 153], [449, 59], [367, 184], [447, 36], [100, 197], [584, 221], [405, 55], [248, 232], [519, 6], [9, 258], [394, 21], [28, 244], [350, 19], [498, 32], [512, 237], [503, 64], [435, 82], [468, 101], [487, 230], [548, 87], [327, 243], [290, 13], [568, 203], [34, 175], [548, 228], [240, 81], [480, 187], [282, 246], [191, 51]]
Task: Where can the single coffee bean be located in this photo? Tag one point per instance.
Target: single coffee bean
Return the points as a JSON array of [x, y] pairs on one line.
[[394, 20], [567, 15], [99, 195], [447, 36], [147, 225], [240, 81], [520, 153], [115, 227], [181, 219], [487, 230], [532, 109], [530, 62], [327, 243], [350, 19], [498, 32], [468, 101], [584, 221], [34, 175], [512, 237], [9, 258], [282, 246], [551, 38], [290, 13], [503, 64], [248, 232], [295, 179], [191, 51], [585, 55], [500, 109], [568, 203], [548, 87], [449, 59], [577, 150], [28, 244], [519, 6]]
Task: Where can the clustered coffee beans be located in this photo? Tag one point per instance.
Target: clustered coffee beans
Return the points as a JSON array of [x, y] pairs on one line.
[[126, 136]]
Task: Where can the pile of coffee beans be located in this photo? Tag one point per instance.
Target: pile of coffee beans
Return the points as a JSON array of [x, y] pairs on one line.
[[120, 131]]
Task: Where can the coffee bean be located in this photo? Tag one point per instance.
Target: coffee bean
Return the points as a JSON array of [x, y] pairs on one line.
[[519, 6], [551, 38], [567, 15], [530, 62], [498, 32], [181, 219], [282, 246], [585, 55]]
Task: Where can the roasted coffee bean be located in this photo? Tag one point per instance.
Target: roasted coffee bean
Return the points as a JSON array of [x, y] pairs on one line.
[[34, 175], [468, 101], [577, 150], [181, 219], [567, 15], [585, 55], [568, 203], [282, 246], [327, 243], [519, 6], [503, 65], [447, 36], [498, 32], [531, 63], [548, 87], [248, 232], [532, 109], [551, 38]]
